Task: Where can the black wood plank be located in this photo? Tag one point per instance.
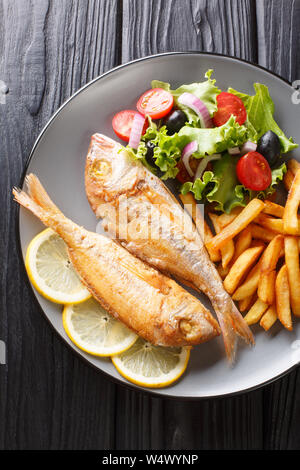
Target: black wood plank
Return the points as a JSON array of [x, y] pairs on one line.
[[154, 26], [278, 35], [49, 397], [278, 49]]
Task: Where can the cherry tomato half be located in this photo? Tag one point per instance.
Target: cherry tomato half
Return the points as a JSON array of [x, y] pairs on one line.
[[254, 172], [156, 102], [229, 104], [122, 123]]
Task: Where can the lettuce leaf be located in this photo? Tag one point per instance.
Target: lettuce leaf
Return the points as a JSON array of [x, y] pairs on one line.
[[216, 139], [222, 187], [206, 91], [167, 150], [260, 110]]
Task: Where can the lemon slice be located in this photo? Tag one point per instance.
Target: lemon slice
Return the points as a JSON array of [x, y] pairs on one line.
[[50, 270], [152, 366], [95, 331]]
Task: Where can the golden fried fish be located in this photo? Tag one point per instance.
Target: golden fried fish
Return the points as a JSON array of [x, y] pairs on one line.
[[116, 184], [148, 302]]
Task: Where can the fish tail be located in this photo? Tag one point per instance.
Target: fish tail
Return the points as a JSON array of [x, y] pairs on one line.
[[232, 324], [26, 201], [241, 326], [39, 194], [39, 203], [228, 334]]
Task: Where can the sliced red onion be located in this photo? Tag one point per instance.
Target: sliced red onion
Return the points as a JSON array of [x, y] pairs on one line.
[[190, 100], [188, 150], [136, 130], [203, 164], [248, 147], [234, 151]]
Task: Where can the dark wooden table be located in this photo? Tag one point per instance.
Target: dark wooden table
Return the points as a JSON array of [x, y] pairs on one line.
[[49, 398]]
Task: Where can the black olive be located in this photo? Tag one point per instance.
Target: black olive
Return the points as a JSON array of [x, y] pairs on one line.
[[176, 120], [150, 152], [269, 146], [149, 157]]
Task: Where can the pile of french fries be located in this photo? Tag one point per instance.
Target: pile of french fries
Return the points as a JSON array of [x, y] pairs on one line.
[[256, 250]]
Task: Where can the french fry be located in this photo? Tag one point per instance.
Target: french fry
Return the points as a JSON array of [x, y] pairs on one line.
[[266, 285], [282, 290], [276, 225], [226, 219], [215, 256], [248, 214], [256, 312], [273, 209], [291, 247], [242, 242], [262, 233], [190, 204], [250, 285], [293, 165], [288, 179], [240, 268], [290, 216], [246, 304], [227, 251], [269, 318]]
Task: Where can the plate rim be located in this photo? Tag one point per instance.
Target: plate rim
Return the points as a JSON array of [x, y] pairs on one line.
[[131, 386]]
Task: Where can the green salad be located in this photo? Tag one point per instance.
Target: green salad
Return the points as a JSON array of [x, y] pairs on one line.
[[223, 146]]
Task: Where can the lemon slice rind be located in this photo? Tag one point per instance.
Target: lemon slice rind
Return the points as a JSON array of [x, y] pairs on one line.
[[95, 331], [163, 379], [80, 292]]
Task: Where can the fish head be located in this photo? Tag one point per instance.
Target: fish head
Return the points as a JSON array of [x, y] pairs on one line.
[[110, 172], [185, 320]]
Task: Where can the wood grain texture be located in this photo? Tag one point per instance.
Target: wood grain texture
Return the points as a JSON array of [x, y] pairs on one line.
[[154, 26], [278, 35], [278, 49], [49, 397]]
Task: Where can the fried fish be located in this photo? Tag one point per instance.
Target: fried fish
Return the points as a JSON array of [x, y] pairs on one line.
[[148, 302], [116, 183]]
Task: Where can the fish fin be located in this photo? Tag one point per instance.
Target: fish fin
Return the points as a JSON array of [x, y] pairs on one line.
[[39, 194], [232, 324], [38, 201], [26, 201], [228, 334], [241, 326]]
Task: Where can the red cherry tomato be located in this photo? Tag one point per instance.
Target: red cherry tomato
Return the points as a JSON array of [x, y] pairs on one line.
[[156, 102], [229, 104], [254, 172], [122, 123]]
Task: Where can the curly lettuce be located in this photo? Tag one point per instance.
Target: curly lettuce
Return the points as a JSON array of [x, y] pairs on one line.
[[206, 91], [222, 187], [260, 111], [166, 153], [216, 139]]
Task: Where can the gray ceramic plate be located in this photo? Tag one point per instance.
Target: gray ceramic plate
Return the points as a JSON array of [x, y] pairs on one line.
[[58, 158]]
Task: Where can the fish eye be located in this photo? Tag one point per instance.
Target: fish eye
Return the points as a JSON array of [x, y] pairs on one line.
[[100, 169]]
